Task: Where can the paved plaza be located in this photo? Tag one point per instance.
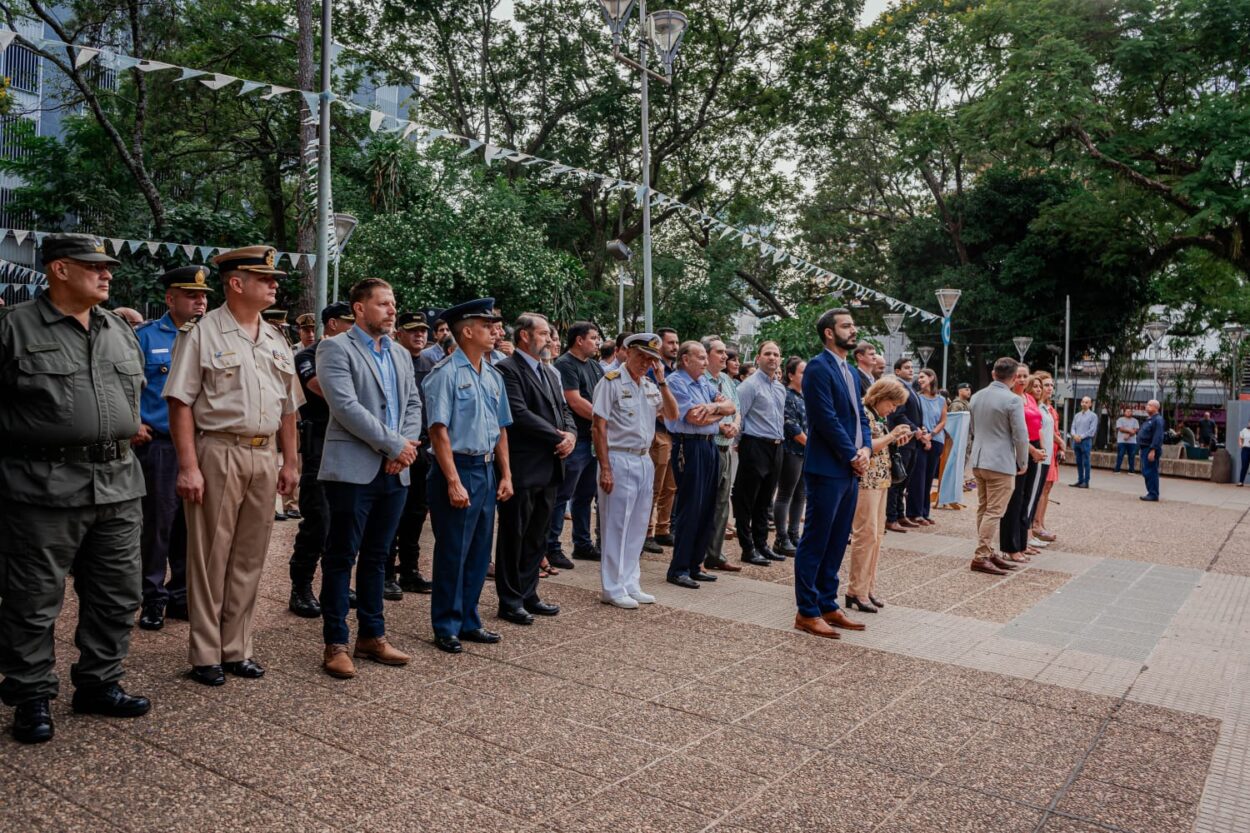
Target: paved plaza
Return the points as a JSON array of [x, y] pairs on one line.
[[1104, 688]]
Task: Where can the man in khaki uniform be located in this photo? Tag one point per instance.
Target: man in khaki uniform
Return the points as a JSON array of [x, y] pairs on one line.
[[232, 394], [70, 487]]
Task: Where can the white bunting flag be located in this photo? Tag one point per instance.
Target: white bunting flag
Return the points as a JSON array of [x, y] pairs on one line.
[[153, 246], [188, 250], [84, 56], [375, 120], [218, 81], [153, 66], [19, 235], [6, 38], [250, 87]]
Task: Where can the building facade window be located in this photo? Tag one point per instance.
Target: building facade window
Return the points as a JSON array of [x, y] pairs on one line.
[[21, 65]]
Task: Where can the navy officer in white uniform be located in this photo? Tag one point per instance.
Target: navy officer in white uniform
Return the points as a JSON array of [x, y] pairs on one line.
[[626, 402]]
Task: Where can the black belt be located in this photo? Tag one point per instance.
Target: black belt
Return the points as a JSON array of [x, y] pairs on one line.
[[684, 436], [764, 440], [97, 453]]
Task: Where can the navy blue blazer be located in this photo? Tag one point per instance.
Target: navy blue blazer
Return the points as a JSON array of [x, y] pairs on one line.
[[833, 415]]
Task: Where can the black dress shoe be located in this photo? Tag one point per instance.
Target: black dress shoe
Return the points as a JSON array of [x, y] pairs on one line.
[[650, 545], [481, 635], [392, 592], [208, 675], [542, 609], [449, 644], [303, 603], [177, 610], [585, 554], [559, 560], [784, 547], [416, 583], [293, 514], [32, 721], [664, 540], [853, 603], [279, 516], [111, 701], [248, 668], [769, 554], [702, 576], [684, 581], [516, 617], [757, 560], [152, 618]]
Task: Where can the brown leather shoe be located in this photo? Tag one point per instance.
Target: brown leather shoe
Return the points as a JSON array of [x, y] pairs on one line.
[[907, 522], [815, 626], [727, 566], [379, 650], [840, 620], [895, 526], [1002, 563], [986, 565], [337, 663]]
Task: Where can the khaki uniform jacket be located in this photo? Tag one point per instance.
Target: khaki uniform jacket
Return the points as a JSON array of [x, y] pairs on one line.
[[63, 385], [230, 383]]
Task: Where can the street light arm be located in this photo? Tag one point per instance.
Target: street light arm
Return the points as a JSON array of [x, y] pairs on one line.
[[630, 62]]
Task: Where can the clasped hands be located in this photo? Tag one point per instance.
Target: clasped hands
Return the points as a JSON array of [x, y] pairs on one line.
[[405, 459]]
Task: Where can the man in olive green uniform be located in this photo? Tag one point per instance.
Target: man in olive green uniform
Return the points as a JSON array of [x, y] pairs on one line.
[[232, 395], [70, 378]]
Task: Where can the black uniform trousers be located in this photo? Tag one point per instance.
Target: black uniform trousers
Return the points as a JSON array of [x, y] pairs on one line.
[[314, 509], [163, 543], [405, 557], [1013, 533], [896, 499], [521, 544], [759, 466], [696, 466]]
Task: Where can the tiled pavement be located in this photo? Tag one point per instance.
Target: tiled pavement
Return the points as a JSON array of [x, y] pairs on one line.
[[1106, 688]]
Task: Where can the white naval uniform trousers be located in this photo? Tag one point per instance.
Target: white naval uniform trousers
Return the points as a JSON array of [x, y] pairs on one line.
[[623, 518]]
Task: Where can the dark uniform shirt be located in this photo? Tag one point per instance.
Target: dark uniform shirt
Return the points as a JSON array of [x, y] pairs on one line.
[[581, 376], [314, 408], [66, 386]]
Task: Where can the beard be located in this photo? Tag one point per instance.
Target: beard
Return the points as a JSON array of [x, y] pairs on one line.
[[846, 344]]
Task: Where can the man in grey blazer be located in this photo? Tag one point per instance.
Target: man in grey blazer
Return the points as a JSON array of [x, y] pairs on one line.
[[1000, 449], [371, 440]]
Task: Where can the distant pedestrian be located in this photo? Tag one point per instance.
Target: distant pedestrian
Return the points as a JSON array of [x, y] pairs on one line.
[[1084, 427], [1150, 446], [1126, 428], [1243, 442], [1208, 433]]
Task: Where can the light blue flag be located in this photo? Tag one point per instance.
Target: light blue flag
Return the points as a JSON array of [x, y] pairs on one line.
[[188, 73], [951, 489]]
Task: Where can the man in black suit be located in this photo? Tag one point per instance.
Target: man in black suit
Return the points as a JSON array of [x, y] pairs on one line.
[[911, 416], [865, 360], [542, 434]]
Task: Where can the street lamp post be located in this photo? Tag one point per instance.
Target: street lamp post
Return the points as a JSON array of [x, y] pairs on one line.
[[1235, 333], [665, 30], [323, 158], [925, 352], [893, 322], [622, 255], [1155, 331], [947, 298], [1023, 343], [344, 225]]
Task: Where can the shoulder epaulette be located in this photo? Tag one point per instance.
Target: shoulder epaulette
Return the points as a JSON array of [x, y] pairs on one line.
[[612, 374], [190, 325]]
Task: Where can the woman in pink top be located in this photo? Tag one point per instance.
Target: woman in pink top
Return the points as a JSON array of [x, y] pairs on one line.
[[1013, 535]]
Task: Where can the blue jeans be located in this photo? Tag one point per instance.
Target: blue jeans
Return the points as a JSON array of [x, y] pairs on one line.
[[1150, 471], [1245, 463], [581, 481], [1082, 450], [363, 520], [1128, 450]]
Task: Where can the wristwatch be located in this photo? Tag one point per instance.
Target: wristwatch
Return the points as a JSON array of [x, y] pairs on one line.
[[662, 384]]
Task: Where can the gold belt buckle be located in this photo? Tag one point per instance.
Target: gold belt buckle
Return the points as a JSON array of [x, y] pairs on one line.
[[257, 442]]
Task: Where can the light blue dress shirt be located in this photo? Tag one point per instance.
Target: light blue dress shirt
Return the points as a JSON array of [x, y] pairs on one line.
[[386, 369], [688, 393], [763, 404], [472, 405], [1084, 424]]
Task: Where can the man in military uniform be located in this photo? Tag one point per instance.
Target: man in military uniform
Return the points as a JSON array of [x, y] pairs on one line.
[[626, 404], [70, 377], [468, 416], [307, 327], [404, 571], [231, 391], [163, 544], [310, 539], [277, 317]]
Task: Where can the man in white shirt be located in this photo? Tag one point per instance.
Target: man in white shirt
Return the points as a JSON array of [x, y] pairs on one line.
[[1126, 428]]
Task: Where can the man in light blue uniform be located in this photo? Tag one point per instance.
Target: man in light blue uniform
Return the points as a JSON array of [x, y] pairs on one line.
[[467, 413], [695, 463], [163, 545]]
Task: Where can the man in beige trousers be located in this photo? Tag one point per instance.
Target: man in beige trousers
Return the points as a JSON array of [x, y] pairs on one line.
[[1000, 449], [232, 394]]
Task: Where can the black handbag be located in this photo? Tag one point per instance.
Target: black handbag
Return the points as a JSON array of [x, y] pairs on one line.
[[898, 469]]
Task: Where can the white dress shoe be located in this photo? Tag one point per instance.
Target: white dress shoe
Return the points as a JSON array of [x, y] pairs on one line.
[[642, 598], [623, 602], [1039, 543]]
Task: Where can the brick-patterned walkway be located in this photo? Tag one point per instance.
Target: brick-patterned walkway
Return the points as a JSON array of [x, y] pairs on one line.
[[1106, 688]]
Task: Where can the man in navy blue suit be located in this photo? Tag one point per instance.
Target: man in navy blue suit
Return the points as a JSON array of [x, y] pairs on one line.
[[839, 444]]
